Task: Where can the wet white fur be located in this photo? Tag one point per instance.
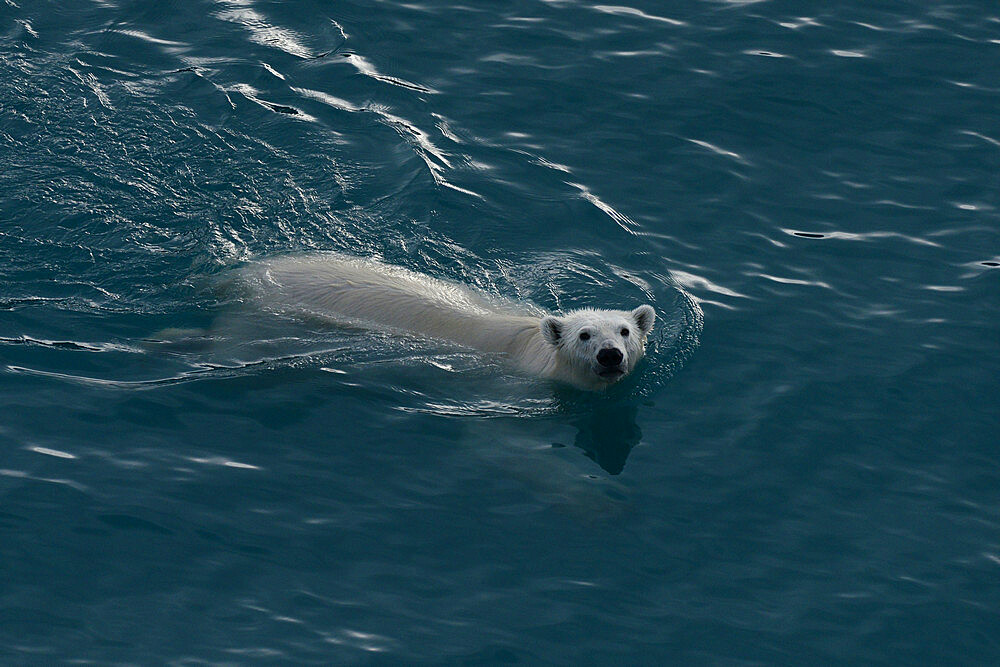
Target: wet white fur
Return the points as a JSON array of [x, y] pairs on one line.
[[338, 286]]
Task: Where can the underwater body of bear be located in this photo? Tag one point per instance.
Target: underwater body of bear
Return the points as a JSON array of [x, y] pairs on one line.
[[588, 348]]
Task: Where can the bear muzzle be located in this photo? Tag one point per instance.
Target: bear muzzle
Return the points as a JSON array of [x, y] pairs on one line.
[[610, 357], [610, 363]]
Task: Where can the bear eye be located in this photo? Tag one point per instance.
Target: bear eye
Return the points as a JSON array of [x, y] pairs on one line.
[[584, 336], [625, 333]]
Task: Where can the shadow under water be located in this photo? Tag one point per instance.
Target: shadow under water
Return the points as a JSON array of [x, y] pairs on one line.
[[606, 424], [607, 435]]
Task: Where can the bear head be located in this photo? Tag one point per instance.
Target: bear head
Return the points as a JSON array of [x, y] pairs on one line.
[[599, 347]]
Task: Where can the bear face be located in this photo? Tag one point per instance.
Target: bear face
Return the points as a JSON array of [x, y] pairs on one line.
[[599, 347]]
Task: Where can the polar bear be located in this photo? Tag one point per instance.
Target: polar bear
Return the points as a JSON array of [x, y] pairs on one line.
[[588, 348]]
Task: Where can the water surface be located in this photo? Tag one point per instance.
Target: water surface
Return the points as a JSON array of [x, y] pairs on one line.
[[804, 469]]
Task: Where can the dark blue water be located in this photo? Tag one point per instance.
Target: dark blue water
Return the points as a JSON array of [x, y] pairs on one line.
[[805, 469]]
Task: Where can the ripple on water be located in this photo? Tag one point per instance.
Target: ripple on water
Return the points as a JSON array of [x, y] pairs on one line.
[[819, 186]]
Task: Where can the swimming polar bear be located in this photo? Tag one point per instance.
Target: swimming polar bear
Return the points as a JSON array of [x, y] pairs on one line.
[[588, 348]]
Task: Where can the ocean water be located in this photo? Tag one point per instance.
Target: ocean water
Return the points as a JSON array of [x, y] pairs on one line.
[[804, 469]]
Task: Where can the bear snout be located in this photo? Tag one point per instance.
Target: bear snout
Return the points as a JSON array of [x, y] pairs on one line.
[[609, 357]]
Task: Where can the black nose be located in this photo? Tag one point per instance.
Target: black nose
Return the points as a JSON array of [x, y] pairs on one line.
[[609, 357]]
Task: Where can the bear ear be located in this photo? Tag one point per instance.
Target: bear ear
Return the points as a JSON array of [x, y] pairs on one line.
[[551, 329], [644, 316]]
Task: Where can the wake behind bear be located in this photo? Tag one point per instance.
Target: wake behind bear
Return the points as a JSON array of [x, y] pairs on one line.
[[588, 348]]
